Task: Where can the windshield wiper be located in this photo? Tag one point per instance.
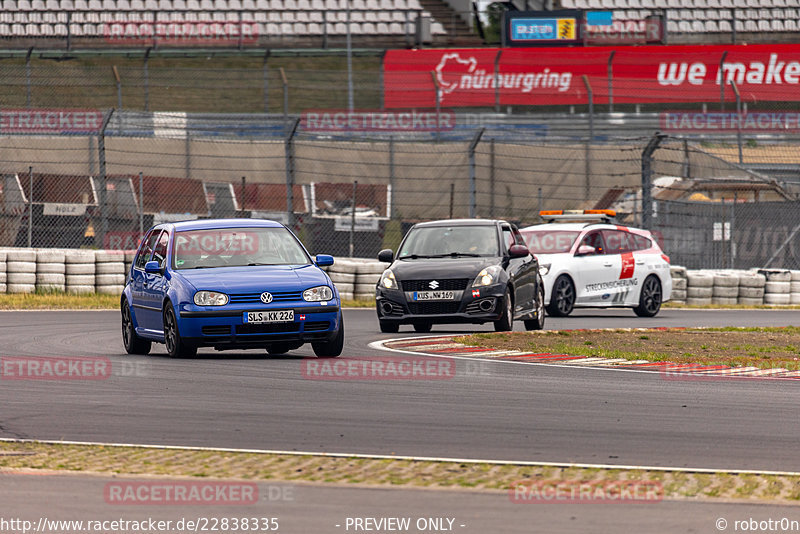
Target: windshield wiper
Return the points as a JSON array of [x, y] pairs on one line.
[[469, 254]]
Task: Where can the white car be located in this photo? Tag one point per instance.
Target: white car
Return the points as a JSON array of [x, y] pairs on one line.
[[594, 263]]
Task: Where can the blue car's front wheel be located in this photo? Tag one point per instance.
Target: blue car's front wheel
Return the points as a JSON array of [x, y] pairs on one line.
[[332, 348], [176, 347]]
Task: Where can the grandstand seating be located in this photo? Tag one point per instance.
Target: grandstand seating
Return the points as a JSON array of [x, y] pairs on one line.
[[704, 17], [136, 19]]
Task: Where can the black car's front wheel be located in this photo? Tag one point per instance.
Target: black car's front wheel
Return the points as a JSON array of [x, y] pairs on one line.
[[562, 299], [388, 327], [176, 346], [133, 343], [538, 322], [506, 321], [332, 348], [650, 298]]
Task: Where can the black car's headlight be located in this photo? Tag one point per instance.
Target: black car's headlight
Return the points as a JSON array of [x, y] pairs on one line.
[[388, 280], [487, 276], [210, 298], [318, 294]]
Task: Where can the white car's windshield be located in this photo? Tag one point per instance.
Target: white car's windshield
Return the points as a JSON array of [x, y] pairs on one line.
[[234, 247], [452, 241], [549, 241]]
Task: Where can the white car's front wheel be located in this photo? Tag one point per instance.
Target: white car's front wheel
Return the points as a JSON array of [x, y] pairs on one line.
[[562, 299]]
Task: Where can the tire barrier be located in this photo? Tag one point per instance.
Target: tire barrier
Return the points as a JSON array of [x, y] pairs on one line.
[[80, 269], [109, 277], [50, 270], [104, 271], [752, 287]]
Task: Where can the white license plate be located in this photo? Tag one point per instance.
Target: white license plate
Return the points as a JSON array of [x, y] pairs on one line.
[[280, 316], [434, 295]]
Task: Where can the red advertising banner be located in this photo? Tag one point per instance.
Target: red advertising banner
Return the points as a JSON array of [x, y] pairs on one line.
[[554, 76]]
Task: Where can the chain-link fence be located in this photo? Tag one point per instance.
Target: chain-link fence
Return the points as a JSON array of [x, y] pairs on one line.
[[102, 189]]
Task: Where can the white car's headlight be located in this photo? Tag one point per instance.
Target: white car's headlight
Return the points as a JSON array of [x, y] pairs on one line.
[[210, 298], [487, 276], [544, 269], [318, 294], [388, 280]]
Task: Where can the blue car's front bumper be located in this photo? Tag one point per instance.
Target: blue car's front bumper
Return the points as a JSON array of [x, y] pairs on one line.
[[225, 328]]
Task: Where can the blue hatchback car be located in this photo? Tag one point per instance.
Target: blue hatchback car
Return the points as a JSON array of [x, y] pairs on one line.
[[229, 284]]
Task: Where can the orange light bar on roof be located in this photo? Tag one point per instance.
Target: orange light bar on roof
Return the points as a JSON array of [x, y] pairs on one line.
[[607, 213]]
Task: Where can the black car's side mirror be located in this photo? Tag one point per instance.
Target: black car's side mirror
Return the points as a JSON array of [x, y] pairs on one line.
[[518, 251], [386, 255]]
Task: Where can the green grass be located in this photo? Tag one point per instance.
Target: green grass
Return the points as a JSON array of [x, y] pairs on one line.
[[57, 300]]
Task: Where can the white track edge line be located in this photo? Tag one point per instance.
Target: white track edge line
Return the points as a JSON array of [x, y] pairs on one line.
[[379, 345], [414, 458]]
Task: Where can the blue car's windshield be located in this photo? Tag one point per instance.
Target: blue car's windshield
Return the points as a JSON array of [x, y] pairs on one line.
[[234, 247], [450, 241]]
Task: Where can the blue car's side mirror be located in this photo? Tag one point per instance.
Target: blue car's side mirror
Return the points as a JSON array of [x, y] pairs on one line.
[[152, 267], [323, 260]]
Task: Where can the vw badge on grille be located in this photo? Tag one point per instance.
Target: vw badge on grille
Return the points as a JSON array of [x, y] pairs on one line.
[[266, 297], [434, 284]]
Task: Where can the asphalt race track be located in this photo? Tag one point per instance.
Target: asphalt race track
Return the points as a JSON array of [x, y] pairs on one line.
[[245, 399]]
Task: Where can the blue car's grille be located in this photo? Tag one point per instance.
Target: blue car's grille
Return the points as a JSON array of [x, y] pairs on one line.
[[277, 296], [317, 326], [270, 328], [222, 330]]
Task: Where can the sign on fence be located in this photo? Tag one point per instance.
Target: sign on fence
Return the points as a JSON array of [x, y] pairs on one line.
[[553, 76], [50, 121]]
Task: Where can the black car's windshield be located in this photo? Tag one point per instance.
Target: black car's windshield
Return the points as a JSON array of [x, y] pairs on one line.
[[234, 247], [450, 241], [549, 241]]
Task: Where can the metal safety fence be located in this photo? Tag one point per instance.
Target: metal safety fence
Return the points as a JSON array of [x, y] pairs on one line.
[[351, 193]]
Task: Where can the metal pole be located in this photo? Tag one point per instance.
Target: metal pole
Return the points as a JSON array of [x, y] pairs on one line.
[[541, 203], [721, 81], [30, 207], [647, 178], [285, 96], [101, 152], [290, 173], [452, 198], [244, 197], [69, 30], [588, 156], [349, 62], [325, 28], [266, 82], [141, 205], [391, 174], [353, 219], [491, 178], [28, 78], [738, 119], [497, 81], [611, 82], [147, 80], [119, 93], [188, 150], [437, 95], [472, 188]]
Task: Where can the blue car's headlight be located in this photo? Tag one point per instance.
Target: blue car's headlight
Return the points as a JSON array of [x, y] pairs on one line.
[[210, 298], [318, 294], [487, 276]]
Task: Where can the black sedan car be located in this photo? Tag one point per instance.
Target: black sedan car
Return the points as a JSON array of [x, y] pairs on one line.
[[460, 271]]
